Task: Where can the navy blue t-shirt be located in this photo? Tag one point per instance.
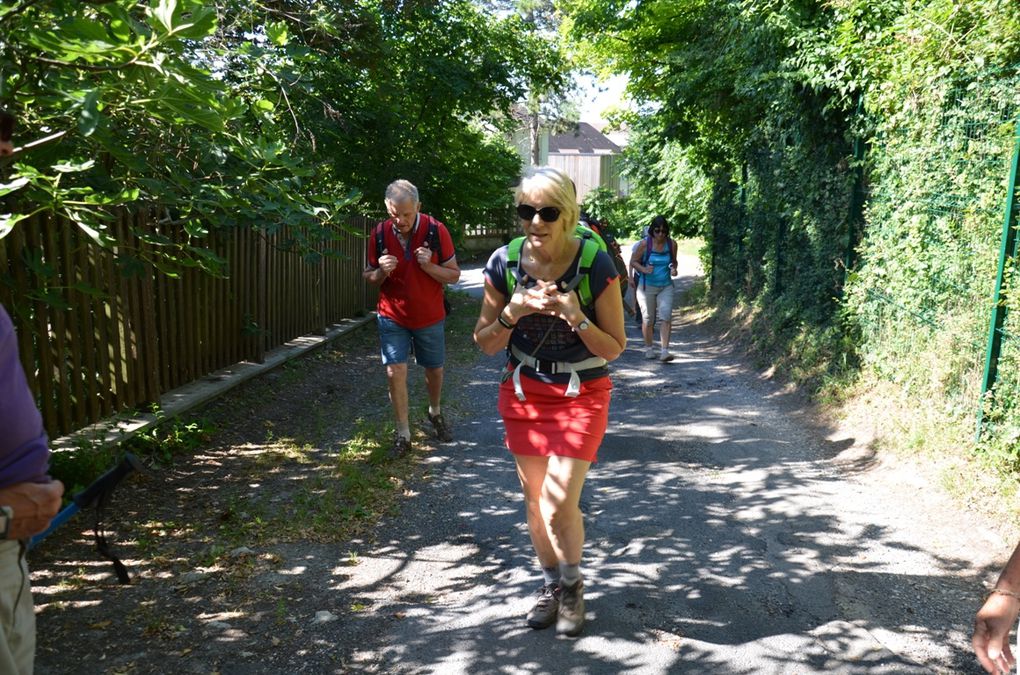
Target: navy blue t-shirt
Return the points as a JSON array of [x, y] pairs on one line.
[[548, 337]]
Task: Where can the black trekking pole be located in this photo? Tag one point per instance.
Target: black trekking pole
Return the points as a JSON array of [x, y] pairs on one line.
[[98, 493]]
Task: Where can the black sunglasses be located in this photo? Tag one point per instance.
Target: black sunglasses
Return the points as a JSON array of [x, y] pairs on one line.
[[547, 213], [658, 229]]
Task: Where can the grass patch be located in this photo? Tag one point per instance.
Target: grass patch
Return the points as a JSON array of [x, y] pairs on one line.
[[916, 417]]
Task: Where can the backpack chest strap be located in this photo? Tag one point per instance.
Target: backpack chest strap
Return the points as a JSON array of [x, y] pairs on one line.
[[553, 368]]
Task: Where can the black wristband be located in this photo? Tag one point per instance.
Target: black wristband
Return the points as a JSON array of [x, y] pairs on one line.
[[503, 322]]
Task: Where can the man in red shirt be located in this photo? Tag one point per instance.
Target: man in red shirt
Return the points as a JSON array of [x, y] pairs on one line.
[[415, 261]]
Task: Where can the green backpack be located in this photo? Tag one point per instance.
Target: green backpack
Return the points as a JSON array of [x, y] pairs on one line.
[[591, 244]]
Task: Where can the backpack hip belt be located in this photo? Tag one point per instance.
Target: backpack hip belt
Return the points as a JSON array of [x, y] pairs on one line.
[[553, 368]]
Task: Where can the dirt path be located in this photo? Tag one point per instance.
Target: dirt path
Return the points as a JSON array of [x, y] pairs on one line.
[[727, 533]]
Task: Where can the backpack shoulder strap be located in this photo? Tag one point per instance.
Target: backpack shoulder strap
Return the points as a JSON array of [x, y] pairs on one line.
[[513, 259], [589, 250], [648, 250], [433, 236], [379, 240]]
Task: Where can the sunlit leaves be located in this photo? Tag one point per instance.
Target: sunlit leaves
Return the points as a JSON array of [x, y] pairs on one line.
[[224, 113]]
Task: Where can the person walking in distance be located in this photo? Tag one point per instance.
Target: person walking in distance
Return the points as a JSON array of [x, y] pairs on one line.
[[411, 258], [28, 501], [654, 259], [552, 300]]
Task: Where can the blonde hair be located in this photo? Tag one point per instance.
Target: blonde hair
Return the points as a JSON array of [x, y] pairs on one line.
[[555, 186]]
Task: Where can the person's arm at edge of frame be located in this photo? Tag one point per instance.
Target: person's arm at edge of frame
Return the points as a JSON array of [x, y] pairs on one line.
[[36, 500], [996, 617]]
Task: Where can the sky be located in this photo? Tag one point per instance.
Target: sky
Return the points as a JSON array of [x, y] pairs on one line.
[[596, 96]]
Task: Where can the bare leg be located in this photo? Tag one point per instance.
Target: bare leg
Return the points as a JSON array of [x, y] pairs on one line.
[[552, 494], [561, 497], [396, 376], [532, 471], [434, 384]]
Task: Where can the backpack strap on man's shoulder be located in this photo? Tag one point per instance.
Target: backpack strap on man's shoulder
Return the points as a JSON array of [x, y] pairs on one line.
[[432, 237], [379, 234]]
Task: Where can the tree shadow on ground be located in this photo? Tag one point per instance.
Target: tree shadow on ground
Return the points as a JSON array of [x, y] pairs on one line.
[[720, 540]]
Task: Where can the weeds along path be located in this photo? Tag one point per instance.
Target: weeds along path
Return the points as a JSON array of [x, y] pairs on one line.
[[727, 533]]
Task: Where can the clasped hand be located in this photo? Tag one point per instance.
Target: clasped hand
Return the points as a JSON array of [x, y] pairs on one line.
[[388, 262], [34, 505], [545, 297]]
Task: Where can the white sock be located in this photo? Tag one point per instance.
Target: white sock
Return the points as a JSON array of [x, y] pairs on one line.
[[404, 430], [433, 411], [569, 574]]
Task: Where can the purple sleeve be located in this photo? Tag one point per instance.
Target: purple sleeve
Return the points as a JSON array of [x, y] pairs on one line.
[[24, 452]]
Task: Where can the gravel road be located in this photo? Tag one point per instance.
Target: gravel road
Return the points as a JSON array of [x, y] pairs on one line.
[[727, 533]]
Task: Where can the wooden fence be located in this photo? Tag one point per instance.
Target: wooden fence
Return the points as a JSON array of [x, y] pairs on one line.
[[97, 337]]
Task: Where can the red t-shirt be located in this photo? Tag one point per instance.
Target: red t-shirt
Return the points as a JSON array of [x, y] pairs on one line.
[[409, 296]]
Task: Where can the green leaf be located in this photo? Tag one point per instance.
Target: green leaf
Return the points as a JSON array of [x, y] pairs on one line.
[[164, 13], [91, 226], [13, 186], [201, 23], [276, 31], [67, 167], [89, 118], [264, 104], [89, 289], [8, 221]]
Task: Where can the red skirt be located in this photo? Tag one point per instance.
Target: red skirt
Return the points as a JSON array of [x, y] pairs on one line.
[[549, 423]]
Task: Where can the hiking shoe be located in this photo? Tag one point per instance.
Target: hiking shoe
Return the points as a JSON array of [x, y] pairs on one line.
[[546, 608], [570, 618], [666, 357], [651, 353], [401, 447], [442, 429]]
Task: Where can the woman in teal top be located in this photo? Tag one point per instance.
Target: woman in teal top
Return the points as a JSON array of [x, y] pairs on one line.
[[654, 259]]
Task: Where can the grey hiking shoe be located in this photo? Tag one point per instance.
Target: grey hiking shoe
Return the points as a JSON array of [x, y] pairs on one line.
[[543, 614], [442, 429], [571, 614], [401, 447]]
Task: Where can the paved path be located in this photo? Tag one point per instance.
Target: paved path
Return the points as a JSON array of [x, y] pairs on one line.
[[725, 534]]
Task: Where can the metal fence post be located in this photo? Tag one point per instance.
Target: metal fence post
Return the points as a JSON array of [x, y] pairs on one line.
[[856, 214], [1006, 253]]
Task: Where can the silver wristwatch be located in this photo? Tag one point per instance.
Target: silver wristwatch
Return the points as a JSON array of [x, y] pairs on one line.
[[6, 516]]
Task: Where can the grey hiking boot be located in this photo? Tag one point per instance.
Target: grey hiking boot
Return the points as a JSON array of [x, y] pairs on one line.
[[543, 614], [401, 447], [441, 427], [571, 614]]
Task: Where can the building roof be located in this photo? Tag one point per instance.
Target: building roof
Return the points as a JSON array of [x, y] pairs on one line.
[[584, 139]]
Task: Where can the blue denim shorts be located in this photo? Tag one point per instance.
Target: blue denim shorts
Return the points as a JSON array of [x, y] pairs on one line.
[[429, 343]]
